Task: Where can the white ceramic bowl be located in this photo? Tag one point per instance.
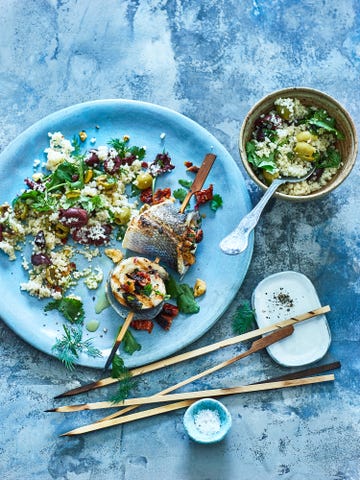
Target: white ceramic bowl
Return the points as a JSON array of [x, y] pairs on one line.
[[311, 97]]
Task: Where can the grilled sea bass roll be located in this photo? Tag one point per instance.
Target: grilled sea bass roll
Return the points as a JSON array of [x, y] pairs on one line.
[[161, 231], [137, 284]]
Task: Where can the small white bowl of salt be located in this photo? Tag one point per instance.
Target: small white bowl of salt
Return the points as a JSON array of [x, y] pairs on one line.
[[207, 421]]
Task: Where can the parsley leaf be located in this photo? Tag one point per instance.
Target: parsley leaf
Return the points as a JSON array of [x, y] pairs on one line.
[[36, 200], [243, 319], [266, 163], [185, 183], [180, 194], [71, 308], [331, 159], [216, 202], [321, 119]]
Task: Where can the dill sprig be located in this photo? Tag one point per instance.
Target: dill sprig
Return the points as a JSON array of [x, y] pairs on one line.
[[126, 382], [243, 319], [70, 345]]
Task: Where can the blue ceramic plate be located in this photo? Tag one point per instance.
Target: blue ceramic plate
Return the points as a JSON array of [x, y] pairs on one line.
[[184, 140]]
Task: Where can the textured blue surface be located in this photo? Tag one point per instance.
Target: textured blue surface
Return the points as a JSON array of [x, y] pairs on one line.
[[210, 61]]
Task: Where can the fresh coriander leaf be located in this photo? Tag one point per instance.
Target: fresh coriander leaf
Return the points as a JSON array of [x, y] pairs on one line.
[[185, 183], [139, 152], [180, 194], [36, 200], [243, 319], [124, 388], [216, 202], [71, 308], [119, 145], [90, 204], [331, 159], [64, 175]]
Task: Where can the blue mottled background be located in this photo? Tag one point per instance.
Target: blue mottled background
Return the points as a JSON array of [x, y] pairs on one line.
[[210, 61]]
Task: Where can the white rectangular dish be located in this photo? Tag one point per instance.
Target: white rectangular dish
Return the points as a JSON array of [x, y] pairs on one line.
[[284, 295]]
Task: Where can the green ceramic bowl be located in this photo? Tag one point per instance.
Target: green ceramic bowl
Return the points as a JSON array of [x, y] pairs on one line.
[[308, 96]]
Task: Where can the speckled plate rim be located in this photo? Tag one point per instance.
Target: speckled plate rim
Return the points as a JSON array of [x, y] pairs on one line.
[[184, 138]]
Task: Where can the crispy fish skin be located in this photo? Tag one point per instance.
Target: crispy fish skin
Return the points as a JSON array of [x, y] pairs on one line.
[[161, 231]]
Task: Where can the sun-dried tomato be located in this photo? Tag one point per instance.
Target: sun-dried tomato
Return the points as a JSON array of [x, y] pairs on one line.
[[160, 195], [145, 325], [167, 315], [205, 195], [146, 196], [199, 235], [170, 309]]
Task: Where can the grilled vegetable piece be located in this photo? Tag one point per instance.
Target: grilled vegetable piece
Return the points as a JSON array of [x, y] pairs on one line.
[[137, 284], [161, 231]]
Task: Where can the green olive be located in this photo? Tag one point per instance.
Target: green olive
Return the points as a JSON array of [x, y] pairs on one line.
[[122, 217], [305, 151], [269, 177], [284, 112], [143, 180], [305, 136]]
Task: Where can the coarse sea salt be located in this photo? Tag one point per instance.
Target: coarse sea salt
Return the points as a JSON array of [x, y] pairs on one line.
[[207, 421]]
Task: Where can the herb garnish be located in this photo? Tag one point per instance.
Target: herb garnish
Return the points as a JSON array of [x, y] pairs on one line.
[[130, 345], [183, 294], [266, 163], [71, 308], [70, 345], [126, 382], [243, 319], [321, 119], [216, 202], [123, 150]]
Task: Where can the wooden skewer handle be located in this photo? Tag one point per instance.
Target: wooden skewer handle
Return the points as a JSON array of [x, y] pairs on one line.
[[119, 339], [188, 398], [201, 351], [174, 397], [199, 179]]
